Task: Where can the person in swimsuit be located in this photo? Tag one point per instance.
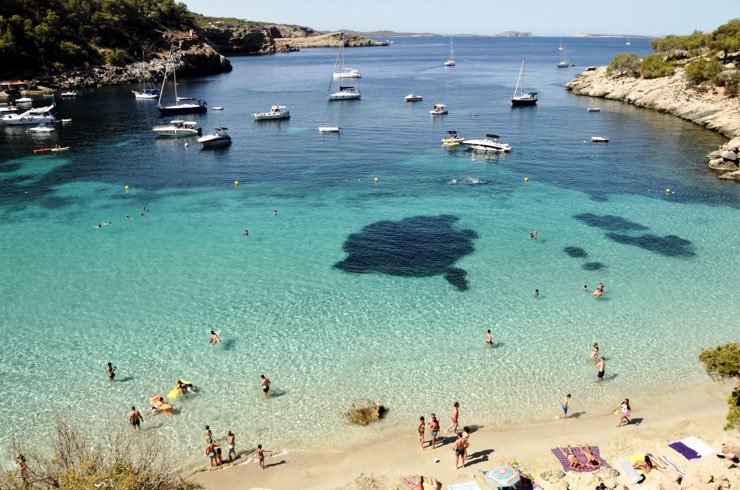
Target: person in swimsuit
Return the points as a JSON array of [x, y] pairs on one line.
[[20, 460], [211, 453], [573, 462], [565, 405], [594, 353], [533, 235], [598, 293], [626, 412], [134, 416], [111, 371], [215, 338], [466, 437], [584, 287], [454, 416], [489, 338], [645, 465], [459, 449], [591, 459], [260, 453], [600, 369], [231, 441], [536, 293], [182, 387], [434, 427], [265, 385], [420, 429], [208, 434], [414, 485]]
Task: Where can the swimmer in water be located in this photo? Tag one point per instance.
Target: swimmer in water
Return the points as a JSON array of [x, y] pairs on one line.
[[533, 235], [129, 217], [215, 337], [245, 232], [584, 287], [536, 293], [274, 212]]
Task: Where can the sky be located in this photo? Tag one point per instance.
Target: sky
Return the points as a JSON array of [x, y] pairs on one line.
[[484, 17]]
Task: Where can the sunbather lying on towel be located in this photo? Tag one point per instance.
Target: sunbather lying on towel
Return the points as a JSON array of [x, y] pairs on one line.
[[645, 465], [573, 462], [591, 459]]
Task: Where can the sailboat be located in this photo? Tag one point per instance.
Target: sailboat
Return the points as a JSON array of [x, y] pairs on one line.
[[629, 39], [564, 63], [149, 93], [451, 60], [182, 105], [344, 71], [520, 97], [345, 92]]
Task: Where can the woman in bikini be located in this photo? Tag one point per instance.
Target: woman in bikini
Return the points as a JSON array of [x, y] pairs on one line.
[[420, 429], [591, 459], [626, 412], [573, 462]]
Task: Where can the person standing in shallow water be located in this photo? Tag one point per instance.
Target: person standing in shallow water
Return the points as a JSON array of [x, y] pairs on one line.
[[600, 369], [111, 371], [489, 338], [265, 383], [134, 416], [454, 416], [565, 405], [594, 353]]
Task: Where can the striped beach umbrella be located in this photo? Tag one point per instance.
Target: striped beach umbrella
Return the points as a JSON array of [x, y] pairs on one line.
[[503, 476]]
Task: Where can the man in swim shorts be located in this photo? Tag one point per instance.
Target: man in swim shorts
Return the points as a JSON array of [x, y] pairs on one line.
[[134, 416], [265, 385], [489, 338], [454, 416], [231, 441], [434, 428], [111, 371], [565, 405], [260, 453], [601, 368]]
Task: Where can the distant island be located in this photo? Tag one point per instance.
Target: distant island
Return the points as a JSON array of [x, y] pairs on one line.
[[633, 36]]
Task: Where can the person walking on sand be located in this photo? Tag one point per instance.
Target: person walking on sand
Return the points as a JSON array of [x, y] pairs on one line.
[[265, 383], [600, 369], [231, 441], [626, 412], [454, 416], [434, 428], [134, 416], [594, 353], [565, 405], [215, 337], [459, 449], [489, 338], [260, 453], [466, 438], [420, 429], [111, 371]]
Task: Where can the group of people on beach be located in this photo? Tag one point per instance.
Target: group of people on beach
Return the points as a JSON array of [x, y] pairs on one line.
[[462, 439]]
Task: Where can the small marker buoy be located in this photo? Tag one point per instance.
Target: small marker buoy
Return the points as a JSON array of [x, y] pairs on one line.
[[236, 183], [526, 179], [375, 180], [125, 188], [668, 190]]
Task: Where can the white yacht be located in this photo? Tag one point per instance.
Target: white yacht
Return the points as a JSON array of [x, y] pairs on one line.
[[344, 71], [451, 60], [145, 93], [24, 101], [42, 129], [520, 97], [329, 129], [413, 98], [489, 143], [177, 129], [36, 115], [345, 93], [182, 105], [275, 112], [563, 63], [599, 139], [438, 110], [217, 137], [70, 93], [7, 109]]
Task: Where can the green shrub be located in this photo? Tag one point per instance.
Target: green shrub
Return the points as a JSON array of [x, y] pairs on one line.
[[115, 56], [731, 83], [624, 65], [654, 66], [703, 70], [723, 362]]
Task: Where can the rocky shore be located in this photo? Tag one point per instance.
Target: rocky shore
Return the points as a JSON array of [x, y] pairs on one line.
[[711, 109]]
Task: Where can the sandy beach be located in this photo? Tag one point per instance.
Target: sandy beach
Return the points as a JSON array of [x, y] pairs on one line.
[[697, 411]]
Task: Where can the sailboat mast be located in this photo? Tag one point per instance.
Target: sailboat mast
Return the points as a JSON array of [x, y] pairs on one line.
[[520, 80], [174, 79]]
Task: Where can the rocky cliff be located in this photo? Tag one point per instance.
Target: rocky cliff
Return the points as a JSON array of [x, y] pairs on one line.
[[711, 109]]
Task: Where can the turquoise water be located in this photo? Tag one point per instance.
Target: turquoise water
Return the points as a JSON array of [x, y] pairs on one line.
[[144, 293]]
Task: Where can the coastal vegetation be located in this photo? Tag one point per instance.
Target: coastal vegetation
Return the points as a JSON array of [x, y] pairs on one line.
[[43, 36], [124, 460], [707, 59], [723, 362]]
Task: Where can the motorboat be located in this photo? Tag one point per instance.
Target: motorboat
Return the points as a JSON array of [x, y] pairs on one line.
[[177, 129], [24, 101], [65, 121], [563, 63], [413, 98], [36, 115], [438, 110], [599, 139], [182, 105], [345, 93], [275, 112], [520, 97], [218, 108], [489, 143], [71, 93], [7, 109], [42, 129], [344, 71], [451, 60], [593, 109], [329, 129], [217, 137], [452, 139]]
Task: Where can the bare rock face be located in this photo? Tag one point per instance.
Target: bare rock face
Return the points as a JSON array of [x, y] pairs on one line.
[[720, 164], [363, 412], [731, 176], [242, 40]]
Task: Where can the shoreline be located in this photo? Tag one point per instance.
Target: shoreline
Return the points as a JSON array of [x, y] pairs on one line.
[[380, 463]]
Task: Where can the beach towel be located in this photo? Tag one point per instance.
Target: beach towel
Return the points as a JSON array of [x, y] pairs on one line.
[[471, 485], [630, 474], [664, 463], [684, 450], [579, 455], [701, 448]]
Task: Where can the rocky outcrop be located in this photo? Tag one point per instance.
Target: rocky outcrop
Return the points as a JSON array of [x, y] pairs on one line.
[[726, 160], [364, 411], [331, 40], [710, 109]]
